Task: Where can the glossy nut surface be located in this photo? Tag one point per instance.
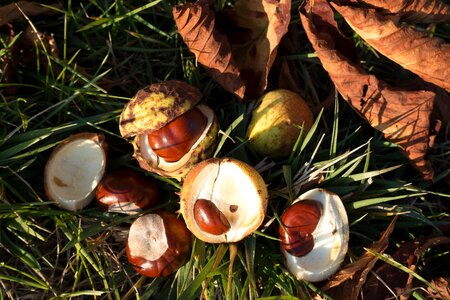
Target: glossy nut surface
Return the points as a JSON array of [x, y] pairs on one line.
[[322, 217], [126, 190], [299, 222], [158, 244], [209, 218], [237, 191], [174, 140]]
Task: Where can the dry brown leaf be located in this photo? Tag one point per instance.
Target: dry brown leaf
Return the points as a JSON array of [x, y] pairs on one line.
[[196, 24], [443, 288], [399, 282], [347, 283], [14, 11], [361, 265], [237, 46], [414, 11], [425, 56], [395, 279], [403, 116]]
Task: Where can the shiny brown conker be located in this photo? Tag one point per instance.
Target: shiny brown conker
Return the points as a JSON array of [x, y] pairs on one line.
[[175, 139], [146, 240], [209, 218], [298, 223], [125, 189]]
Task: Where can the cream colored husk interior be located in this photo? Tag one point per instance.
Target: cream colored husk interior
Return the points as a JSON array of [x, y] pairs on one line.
[[228, 187], [74, 172], [151, 157]]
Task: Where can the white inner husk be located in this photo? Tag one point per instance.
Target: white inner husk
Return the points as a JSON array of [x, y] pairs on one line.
[[151, 157], [228, 187], [330, 239], [74, 172], [147, 237]]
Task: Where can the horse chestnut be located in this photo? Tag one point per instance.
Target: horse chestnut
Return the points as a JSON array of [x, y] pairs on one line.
[[74, 169], [223, 200], [275, 123], [299, 222], [209, 218], [172, 131], [314, 235], [127, 191], [158, 244], [174, 140]]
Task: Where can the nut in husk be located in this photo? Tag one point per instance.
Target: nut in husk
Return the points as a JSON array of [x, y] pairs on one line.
[[223, 200], [172, 131], [314, 235]]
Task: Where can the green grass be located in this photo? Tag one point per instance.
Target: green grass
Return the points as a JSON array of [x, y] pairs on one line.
[[107, 51]]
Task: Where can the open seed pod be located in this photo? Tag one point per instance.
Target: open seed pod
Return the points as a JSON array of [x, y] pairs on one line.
[[158, 244], [74, 169], [314, 235], [223, 200], [127, 191], [172, 130]]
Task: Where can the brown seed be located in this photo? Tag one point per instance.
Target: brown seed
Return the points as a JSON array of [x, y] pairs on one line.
[[174, 140], [209, 218], [299, 222]]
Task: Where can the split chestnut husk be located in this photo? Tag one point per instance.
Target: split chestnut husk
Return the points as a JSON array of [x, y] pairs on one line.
[[172, 130], [74, 169], [314, 235], [223, 200]]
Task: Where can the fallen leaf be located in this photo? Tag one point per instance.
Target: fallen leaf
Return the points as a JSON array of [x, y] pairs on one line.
[[17, 10], [285, 73], [386, 274], [347, 283], [403, 116], [389, 279], [428, 57], [236, 46], [443, 288], [414, 11], [441, 109]]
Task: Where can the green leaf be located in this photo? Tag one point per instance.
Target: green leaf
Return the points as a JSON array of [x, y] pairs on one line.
[[191, 290], [374, 201], [18, 251]]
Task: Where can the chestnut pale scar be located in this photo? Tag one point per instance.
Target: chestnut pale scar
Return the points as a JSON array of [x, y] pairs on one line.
[[233, 208], [59, 182]]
